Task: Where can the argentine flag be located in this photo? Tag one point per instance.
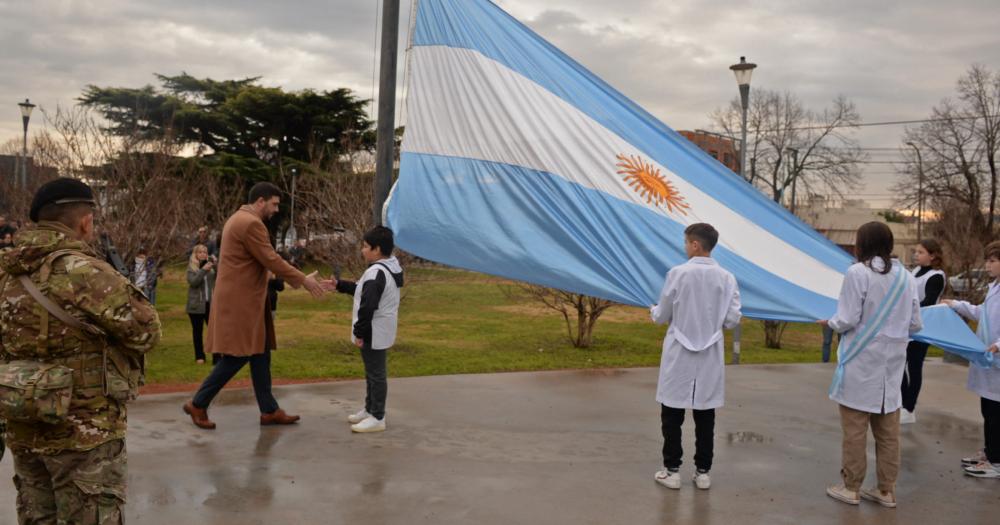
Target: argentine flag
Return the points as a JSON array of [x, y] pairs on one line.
[[519, 162]]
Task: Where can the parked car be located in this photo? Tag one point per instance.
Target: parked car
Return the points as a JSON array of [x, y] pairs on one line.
[[972, 282]]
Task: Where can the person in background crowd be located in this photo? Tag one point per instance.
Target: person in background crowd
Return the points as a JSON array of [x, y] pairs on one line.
[[6, 228], [203, 238], [201, 284], [6, 241], [145, 274]]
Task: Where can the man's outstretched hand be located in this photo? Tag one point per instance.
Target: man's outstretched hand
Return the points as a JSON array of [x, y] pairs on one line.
[[314, 287]]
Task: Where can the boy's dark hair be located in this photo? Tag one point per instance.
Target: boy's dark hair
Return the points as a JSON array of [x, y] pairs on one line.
[[992, 250], [875, 239], [263, 190], [704, 233], [937, 254], [380, 237]]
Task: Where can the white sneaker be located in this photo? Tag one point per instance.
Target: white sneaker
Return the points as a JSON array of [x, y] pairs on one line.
[[702, 480], [978, 457], [668, 478], [906, 417], [983, 469], [358, 417], [369, 424]]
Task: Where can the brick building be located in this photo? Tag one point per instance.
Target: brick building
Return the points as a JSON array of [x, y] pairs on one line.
[[721, 148]]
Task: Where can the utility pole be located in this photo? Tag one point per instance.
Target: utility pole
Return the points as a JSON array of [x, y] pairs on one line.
[[385, 130], [920, 191], [795, 175]]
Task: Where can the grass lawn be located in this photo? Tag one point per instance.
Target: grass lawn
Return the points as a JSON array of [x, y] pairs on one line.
[[451, 322]]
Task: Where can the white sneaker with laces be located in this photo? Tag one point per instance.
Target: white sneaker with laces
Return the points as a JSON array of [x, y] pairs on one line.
[[358, 417], [978, 457], [906, 417], [369, 424], [702, 480], [984, 469], [668, 478]]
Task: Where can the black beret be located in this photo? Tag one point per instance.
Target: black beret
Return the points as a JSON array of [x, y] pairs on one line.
[[60, 191]]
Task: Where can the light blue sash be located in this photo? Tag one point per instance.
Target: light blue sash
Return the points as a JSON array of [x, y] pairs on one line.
[[868, 332]]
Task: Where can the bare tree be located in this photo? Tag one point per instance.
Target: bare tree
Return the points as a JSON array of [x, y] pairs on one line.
[[957, 167], [828, 157], [580, 312]]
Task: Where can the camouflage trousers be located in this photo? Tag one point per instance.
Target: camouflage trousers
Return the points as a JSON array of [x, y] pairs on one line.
[[71, 488]]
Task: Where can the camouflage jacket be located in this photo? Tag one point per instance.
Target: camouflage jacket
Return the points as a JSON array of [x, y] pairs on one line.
[[92, 291]]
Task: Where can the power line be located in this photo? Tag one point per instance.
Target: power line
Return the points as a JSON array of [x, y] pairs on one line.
[[885, 123]]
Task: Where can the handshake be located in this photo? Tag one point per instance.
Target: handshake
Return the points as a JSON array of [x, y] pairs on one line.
[[318, 287]]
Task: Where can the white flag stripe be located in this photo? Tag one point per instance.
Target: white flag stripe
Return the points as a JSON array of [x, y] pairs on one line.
[[462, 104]]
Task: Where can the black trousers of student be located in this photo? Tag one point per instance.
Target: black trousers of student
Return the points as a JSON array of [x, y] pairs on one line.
[[227, 367], [198, 323], [991, 428], [913, 375], [671, 420], [376, 384]]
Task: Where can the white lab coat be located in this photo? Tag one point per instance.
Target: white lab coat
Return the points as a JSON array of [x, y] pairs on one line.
[[871, 380], [699, 299], [984, 382]]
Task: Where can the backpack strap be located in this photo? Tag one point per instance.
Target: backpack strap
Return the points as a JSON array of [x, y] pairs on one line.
[[50, 307]]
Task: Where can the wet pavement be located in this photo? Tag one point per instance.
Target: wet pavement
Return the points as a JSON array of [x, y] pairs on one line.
[[574, 447]]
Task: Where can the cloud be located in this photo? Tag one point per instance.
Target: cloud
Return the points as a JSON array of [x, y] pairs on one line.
[[894, 59]]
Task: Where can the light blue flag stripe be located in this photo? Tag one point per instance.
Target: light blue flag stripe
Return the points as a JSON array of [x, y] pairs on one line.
[[536, 227]]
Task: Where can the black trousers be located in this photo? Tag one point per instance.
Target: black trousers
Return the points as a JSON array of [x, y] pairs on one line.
[[671, 420], [913, 374], [227, 367], [198, 323], [376, 384], [991, 428]]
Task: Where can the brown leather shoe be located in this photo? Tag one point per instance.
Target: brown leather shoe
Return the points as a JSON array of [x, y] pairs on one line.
[[199, 416], [278, 417]]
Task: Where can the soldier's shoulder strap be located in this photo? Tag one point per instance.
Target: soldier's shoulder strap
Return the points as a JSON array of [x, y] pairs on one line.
[[51, 307]]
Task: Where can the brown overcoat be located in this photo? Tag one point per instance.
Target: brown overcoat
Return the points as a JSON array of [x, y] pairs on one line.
[[237, 324]]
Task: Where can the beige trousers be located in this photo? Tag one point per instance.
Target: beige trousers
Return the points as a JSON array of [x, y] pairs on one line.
[[885, 428]]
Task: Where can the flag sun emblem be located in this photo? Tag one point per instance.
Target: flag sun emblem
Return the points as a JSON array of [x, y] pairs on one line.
[[646, 180]]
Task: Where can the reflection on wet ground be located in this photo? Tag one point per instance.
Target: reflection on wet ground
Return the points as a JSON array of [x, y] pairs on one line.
[[549, 447]]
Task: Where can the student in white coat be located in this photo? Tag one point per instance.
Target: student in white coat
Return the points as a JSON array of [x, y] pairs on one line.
[[986, 382], [699, 299], [878, 311]]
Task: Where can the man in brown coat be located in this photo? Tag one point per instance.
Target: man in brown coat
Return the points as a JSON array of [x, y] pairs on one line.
[[240, 324]]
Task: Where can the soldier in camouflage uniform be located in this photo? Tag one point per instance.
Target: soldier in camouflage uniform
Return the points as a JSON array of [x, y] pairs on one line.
[[73, 471]]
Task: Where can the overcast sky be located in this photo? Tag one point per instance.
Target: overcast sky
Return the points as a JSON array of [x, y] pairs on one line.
[[894, 59]]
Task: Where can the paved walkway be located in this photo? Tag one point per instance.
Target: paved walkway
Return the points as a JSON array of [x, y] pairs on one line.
[[576, 447]]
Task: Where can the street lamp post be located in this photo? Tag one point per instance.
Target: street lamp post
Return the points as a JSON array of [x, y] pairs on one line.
[[920, 191], [292, 235], [26, 108], [743, 72]]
